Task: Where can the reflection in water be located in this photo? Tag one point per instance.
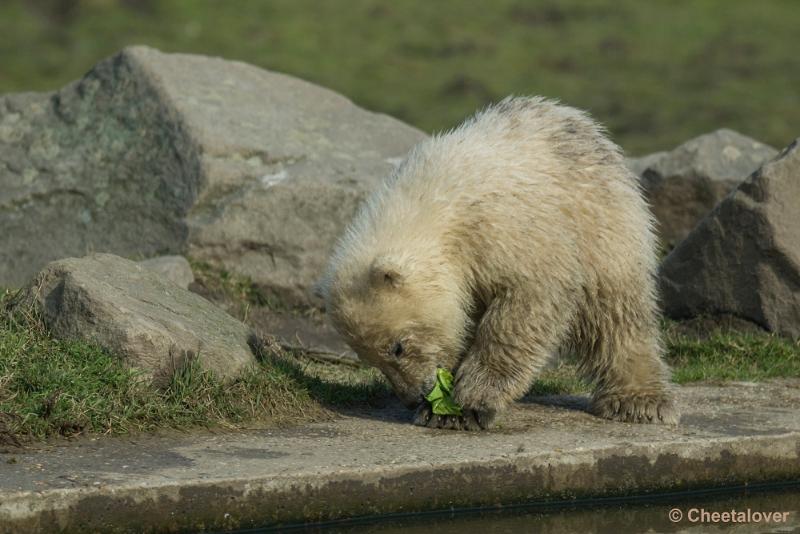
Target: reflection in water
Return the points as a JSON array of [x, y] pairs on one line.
[[609, 517]]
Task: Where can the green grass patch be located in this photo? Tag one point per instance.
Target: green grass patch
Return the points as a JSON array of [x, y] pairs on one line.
[[223, 286], [562, 379], [732, 356], [50, 387]]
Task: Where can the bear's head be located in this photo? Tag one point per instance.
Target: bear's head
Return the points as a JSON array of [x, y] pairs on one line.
[[401, 315]]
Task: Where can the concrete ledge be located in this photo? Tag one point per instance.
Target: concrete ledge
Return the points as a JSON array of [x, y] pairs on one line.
[[375, 463]]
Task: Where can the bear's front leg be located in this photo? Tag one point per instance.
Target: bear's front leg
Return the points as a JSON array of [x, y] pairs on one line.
[[509, 348]]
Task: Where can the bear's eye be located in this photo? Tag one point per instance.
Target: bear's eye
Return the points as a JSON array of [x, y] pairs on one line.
[[397, 350]]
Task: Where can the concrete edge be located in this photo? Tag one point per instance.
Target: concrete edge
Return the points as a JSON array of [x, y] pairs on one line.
[[270, 500]]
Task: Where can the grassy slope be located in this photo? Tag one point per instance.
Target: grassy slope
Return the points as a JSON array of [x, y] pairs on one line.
[[50, 387], [656, 72]]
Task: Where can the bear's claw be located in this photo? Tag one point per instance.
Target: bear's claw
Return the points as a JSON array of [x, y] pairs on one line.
[[470, 420], [636, 408]]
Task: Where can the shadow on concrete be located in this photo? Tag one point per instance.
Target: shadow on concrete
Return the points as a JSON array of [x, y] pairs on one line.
[[571, 402], [365, 401]]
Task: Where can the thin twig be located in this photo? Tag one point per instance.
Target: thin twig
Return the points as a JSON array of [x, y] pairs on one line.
[[321, 355]]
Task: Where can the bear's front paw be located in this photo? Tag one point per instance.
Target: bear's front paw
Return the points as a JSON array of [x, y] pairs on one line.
[[479, 419], [469, 420]]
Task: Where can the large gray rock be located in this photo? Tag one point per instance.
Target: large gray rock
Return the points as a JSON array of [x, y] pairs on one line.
[[133, 312], [154, 153], [685, 184], [743, 259]]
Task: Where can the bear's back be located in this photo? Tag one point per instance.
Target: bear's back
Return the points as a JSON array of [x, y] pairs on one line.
[[522, 176], [528, 157]]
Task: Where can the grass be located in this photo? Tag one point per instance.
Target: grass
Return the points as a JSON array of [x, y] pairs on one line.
[[50, 388], [238, 292], [720, 355], [562, 379], [732, 356], [657, 73]]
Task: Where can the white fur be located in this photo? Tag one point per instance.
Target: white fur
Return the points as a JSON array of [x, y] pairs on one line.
[[514, 236]]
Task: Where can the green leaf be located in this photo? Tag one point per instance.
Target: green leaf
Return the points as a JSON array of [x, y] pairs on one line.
[[441, 396]]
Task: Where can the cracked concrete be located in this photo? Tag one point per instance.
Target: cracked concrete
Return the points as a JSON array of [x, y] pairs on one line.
[[375, 462]]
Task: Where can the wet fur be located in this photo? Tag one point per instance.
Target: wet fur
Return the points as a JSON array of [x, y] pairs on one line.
[[495, 246]]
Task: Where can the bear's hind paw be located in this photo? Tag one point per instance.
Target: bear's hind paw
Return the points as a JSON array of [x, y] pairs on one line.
[[636, 408]]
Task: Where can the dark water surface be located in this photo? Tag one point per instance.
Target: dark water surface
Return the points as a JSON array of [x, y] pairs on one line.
[[607, 516]]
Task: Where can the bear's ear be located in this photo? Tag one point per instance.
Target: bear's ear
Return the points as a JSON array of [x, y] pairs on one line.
[[386, 271]]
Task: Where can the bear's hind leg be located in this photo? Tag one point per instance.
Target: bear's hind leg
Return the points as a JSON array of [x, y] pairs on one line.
[[631, 380]]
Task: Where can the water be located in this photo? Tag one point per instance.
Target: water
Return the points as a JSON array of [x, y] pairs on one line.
[[605, 516]]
